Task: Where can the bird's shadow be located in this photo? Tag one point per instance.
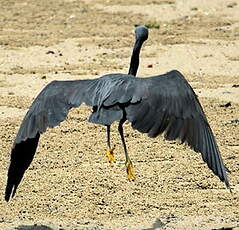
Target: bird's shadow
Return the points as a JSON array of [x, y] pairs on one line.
[[156, 225], [159, 224], [34, 227]]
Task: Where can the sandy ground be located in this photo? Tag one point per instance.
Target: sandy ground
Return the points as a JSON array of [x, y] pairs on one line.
[[69, 184]]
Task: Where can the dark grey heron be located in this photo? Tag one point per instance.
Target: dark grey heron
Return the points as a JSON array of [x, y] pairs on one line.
[[160, 104]]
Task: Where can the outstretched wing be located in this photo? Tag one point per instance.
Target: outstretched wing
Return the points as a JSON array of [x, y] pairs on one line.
[[167, 104], [49, 108]]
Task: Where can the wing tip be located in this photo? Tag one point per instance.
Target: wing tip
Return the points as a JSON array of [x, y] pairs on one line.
[[7, 197], [227, 183], [19, 164]]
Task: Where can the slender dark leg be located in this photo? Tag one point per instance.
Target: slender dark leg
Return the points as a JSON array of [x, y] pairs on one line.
[[128, 163], [121, 131], [108, 136], [109, 152]]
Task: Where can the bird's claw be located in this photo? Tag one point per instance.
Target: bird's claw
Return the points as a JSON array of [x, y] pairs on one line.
[[110, 155], [130, 170]]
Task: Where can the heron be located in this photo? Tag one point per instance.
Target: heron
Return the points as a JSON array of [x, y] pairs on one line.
[[162, 104]]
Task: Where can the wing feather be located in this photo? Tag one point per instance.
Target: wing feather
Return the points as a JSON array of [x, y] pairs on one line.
[[49, 108], [167, 104]]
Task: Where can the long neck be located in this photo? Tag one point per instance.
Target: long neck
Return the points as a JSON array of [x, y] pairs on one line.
[[134, 63]]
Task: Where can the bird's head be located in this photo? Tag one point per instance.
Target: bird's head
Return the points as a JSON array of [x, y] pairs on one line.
[[141, 32]]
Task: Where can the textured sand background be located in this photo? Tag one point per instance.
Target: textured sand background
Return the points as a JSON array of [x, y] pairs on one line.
[[69, 184]]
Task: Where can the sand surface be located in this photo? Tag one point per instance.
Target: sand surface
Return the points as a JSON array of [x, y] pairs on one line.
[[70, 185]]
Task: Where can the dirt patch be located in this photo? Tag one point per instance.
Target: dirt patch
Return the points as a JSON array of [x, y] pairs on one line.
[[69, 184]]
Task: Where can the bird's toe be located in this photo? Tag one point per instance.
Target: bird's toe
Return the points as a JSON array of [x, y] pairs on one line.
[[130, 170], [110, 155]]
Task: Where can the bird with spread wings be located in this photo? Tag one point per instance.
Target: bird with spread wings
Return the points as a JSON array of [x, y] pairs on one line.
[[164, 104]]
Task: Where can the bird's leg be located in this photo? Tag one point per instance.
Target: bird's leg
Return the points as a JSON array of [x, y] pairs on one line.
[[128, 163], [109, 152]]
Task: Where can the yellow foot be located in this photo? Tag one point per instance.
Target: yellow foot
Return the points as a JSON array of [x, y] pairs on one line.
[[110, 155], [130, 170]]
